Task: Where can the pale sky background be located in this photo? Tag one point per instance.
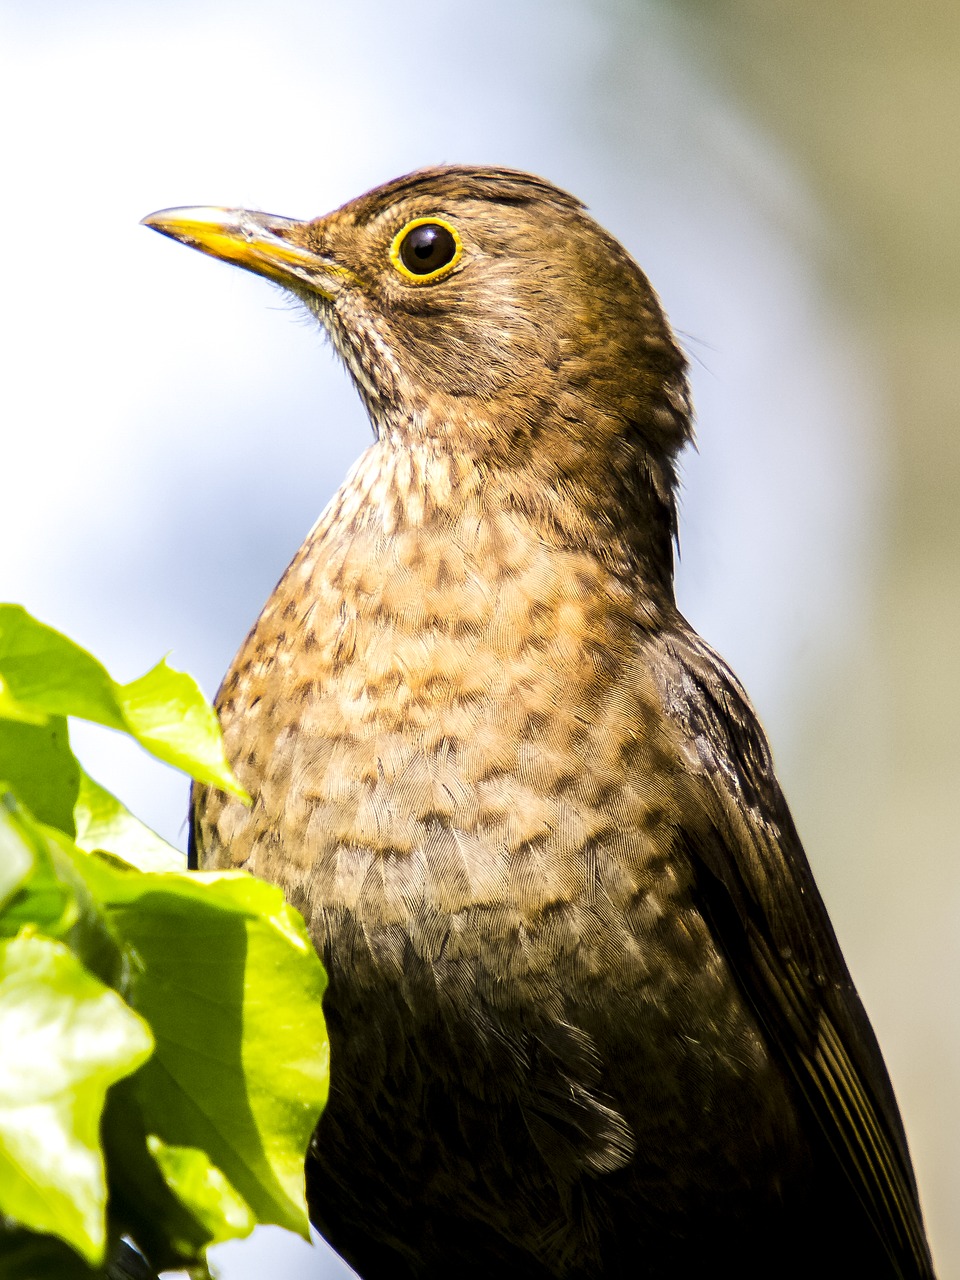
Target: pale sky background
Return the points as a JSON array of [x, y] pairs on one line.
[[171, 427]]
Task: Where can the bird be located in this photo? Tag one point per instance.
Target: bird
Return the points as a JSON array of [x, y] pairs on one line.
[[588, 1014]]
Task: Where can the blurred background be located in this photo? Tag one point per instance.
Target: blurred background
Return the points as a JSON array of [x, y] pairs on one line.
[[786, 173]]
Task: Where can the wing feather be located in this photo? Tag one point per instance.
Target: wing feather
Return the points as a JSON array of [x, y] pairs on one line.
[[759, 896]]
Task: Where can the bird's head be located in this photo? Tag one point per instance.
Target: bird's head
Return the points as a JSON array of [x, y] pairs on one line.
[[482, 310]]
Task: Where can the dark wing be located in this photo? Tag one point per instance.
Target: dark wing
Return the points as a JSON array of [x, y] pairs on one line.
[[758, 894]]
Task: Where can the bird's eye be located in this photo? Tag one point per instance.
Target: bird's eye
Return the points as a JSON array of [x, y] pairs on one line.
[[426, 249]]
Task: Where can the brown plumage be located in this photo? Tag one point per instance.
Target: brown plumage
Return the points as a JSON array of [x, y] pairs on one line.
[[588, 1014]]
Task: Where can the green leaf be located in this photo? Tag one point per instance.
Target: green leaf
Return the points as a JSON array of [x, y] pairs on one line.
[[167, 714], [25, 1255], [36, 761], [231, 985], [54, 898], [11, 709], [46, 674], [201, 1186], [66, 1038], [143, 1203], [104, 823], [41, 899], [17, 855]]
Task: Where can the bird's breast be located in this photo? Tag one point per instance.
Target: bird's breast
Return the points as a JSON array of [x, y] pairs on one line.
[[463, 777], [447, 719]]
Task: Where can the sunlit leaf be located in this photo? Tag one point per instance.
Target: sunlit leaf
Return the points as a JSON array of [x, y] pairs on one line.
[[65, 1039], [209, 1134], [165, 711], [104, 823], [44, 670], [39, 899], [231, 985], [11, 709], [202, 1187], [37, 763], [16, 853]]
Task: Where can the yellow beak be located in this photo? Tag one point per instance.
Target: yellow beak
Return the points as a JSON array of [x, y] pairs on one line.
[[261, 242]]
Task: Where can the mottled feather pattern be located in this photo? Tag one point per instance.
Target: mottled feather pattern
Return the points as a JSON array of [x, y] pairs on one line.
[[588, 1015], [478, 787]]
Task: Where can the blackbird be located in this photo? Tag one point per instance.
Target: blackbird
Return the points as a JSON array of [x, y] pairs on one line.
[[588, 1015]]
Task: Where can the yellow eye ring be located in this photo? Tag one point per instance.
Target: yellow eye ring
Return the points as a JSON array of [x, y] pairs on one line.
[[426, 249]]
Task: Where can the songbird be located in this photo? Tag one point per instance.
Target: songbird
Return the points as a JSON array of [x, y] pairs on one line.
[[588, 1014]]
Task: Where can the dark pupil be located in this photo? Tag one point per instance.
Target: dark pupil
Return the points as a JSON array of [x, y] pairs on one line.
[[427, 248]]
